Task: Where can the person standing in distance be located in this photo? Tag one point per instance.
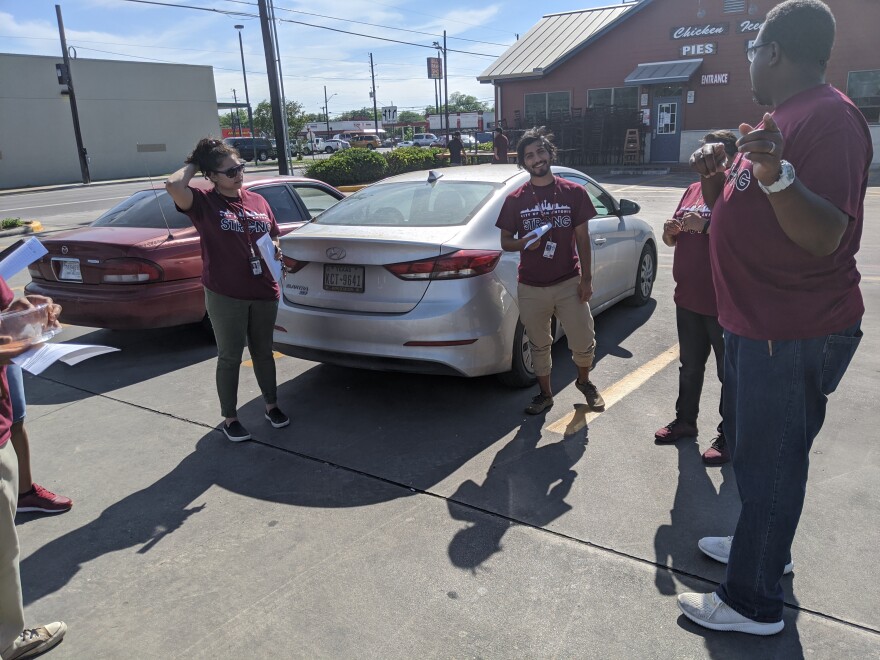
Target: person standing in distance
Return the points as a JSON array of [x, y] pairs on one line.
[[500, 145], [786, 225], [555, 276], [696, 313], [241, 295], [456, 149]]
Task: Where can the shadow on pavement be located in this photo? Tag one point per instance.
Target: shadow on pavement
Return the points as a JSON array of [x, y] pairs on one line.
[[698, 510]]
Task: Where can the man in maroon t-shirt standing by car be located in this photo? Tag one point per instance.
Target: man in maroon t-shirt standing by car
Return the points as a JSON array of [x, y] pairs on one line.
[[786, 224], [546, 221]]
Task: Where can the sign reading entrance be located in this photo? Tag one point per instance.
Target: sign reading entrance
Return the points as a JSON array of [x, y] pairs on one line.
[[715, 79]]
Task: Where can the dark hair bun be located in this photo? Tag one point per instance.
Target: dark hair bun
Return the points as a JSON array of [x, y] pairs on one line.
[[208, 153]]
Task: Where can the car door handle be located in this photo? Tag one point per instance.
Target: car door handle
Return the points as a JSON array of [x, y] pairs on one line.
[[600, 241]]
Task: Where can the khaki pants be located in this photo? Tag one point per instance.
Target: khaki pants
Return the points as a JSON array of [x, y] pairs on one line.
[[11, 608], [538, 305]]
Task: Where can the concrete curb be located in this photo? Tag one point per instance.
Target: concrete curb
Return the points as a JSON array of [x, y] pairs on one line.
[[30, 227]]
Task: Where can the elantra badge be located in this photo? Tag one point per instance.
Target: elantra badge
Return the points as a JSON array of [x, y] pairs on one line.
[[335, 253]]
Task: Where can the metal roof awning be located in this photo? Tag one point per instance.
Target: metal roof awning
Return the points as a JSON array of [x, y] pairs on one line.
[[655, 73]]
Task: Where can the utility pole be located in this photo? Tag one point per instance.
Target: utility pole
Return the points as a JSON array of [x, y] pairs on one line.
[[280, 79], [68, 80], [237, 119], [278, 114], [445, 88], [326, 111], [375, 108]]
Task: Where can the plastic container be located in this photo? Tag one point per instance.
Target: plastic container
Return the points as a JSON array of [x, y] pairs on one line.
[[21, 328]]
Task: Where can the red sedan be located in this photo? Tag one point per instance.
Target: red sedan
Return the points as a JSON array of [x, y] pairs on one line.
[[139, 265]]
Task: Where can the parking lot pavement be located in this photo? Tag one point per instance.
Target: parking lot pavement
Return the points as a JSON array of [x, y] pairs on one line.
[[407, 516]]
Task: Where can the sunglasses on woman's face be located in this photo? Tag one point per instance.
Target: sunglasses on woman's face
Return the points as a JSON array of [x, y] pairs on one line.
[[232, 172]]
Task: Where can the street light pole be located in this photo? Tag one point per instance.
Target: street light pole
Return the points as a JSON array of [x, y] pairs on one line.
[[326, 111], [237, 118], [247, 97]]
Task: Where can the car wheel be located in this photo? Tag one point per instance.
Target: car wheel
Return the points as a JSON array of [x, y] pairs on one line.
[[647, 271], [307, 151], [262, 155], [521, 373], [328, 150], [371, 146]]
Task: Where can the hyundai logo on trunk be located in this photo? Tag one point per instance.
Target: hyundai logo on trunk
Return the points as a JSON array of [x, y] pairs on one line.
[[336, 253]]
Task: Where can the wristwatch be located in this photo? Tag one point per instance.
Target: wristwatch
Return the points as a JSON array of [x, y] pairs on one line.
[[786, 178]]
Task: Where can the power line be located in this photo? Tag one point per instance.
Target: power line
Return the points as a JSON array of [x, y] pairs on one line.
[[320, 27]]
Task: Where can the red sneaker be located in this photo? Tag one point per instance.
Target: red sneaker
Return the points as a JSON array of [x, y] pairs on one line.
[[675, 430], [40, 500]]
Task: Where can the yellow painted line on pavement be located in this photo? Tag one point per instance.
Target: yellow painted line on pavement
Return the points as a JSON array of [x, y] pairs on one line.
[[579, 418], [275, 355]]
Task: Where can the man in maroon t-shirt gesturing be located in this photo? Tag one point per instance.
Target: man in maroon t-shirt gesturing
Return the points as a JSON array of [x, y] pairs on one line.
[[786, 224], [546, 221]]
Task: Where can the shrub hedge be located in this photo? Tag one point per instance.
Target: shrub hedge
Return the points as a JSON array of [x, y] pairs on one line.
[[352, 166]]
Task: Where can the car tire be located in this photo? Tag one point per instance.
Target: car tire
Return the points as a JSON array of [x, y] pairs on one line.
[[328, 150], [307, 151], [521, 373], [371, 147], [646, 273]]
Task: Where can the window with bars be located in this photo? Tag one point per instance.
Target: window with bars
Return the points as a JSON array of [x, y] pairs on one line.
[[734, 6]]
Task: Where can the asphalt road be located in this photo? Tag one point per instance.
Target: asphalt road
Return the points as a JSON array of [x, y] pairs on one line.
[[404, 516]]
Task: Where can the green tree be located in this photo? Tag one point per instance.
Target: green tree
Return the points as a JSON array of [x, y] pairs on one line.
[[410, 117], [226, 118], [364, 114], [459, 102], [263, 124]]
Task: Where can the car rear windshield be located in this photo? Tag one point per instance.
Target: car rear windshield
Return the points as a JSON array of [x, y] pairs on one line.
[[145, 210], [411, 204]]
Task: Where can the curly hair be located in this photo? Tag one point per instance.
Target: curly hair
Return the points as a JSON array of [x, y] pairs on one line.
[[537, 134], [727, 138], [209, 153], [804, 29]]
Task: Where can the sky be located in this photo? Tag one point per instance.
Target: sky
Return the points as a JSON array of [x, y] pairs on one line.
[[311, 57]]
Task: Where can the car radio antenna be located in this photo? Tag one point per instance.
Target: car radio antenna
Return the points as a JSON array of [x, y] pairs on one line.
[[156, 195]]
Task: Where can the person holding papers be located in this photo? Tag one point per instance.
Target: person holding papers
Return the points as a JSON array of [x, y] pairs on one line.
[[241, 296], [546, 220]]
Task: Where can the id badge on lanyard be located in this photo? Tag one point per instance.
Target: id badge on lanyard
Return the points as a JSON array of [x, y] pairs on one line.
[[549, 250]]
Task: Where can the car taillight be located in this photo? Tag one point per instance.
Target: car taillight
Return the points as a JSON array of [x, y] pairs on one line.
[[453, 266], [130, 271], [292, 265]]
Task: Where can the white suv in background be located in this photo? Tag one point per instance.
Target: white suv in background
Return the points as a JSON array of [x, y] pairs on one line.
[[424, 139]]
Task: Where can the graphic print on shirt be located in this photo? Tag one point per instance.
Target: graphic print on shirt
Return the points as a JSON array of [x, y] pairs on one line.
[[539, 214], [257, 222]]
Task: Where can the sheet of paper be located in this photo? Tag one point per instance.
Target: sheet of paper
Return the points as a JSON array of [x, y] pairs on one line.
[[540, 231], [267, 251], [20, 258], [39, 358]]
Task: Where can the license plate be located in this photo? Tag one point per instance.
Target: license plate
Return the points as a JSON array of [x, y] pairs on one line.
[[344, 278], [68, 270]]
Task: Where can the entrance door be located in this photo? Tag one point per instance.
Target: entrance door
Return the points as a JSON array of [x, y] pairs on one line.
[[666, 136]]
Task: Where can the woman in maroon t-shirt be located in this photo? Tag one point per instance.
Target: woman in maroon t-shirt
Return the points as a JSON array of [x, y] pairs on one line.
[[696, 313], [240, 294]]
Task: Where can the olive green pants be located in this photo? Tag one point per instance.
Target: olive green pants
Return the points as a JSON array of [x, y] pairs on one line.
[[236, 323]]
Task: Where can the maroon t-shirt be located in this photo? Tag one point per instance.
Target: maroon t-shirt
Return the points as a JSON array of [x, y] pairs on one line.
[[501, 145], [691, 268], [767, 286], [6, 297], [226, 248], [528, 207]]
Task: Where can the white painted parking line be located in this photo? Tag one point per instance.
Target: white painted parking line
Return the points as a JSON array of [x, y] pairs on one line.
[[579, 418], [70, 203]]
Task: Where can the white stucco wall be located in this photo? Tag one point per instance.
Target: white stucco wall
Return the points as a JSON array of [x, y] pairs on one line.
[[121, 105]]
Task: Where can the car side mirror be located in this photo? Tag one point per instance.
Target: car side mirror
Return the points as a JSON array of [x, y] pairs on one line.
[[628, 207]]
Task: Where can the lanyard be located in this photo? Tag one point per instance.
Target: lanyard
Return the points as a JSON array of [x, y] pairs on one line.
[[239, 213], [541, 208]]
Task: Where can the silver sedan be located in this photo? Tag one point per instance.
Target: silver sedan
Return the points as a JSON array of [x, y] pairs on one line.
[[408, 275]]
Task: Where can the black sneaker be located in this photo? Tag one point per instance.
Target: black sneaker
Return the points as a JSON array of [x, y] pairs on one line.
[[591, 394], [235, 431], [539, 404], [277, 418]]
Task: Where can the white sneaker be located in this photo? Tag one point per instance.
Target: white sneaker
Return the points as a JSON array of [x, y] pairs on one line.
[[35, 641], [718, 548], [711, 612]]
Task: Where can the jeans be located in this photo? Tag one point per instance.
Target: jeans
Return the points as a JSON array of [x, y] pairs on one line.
[[698, 334], [775, 395], [16, 392], [235, 323]]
